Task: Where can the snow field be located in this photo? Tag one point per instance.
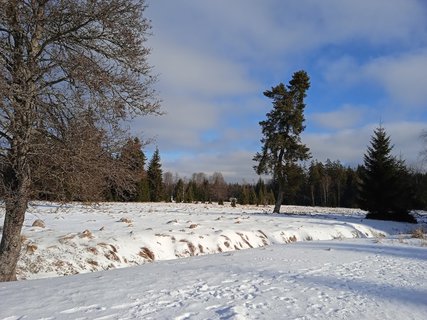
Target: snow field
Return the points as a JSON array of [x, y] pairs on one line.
[[361, 270], [345, 279]]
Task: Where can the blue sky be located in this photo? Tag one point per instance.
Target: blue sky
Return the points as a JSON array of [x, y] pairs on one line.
[[367, 61]]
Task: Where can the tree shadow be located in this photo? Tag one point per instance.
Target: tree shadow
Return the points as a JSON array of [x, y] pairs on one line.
[[383, 291], [409, 252]]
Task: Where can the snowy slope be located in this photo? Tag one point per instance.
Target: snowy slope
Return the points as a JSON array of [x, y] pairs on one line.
[[363, 269], [77, 239]]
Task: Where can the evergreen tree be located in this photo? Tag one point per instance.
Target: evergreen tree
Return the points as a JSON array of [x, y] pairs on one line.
[[282, 147], [349, 196], [261, 192], [314, 181], [179, 191], [143, 190], [252, 195], [189, 192], [155, 177], [133, 158], [384, 189], [244, 196]]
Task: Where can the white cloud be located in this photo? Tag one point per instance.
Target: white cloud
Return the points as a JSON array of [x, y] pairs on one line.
[[181, 127], [346, 117], [403, 77], [185, 71], [268, 31]]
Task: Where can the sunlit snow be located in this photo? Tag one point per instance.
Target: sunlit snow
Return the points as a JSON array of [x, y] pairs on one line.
[[312, 263]]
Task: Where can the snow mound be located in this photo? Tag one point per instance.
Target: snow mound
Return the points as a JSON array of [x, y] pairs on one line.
[[79, 239]]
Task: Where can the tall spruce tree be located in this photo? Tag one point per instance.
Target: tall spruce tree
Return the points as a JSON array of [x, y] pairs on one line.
[[384, 190], [155, 177], [282, 147]]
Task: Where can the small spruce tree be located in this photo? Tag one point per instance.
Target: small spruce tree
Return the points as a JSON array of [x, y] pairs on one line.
[[384, 190]]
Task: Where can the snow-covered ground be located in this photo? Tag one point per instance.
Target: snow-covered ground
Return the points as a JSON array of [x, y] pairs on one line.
[[363, 269]]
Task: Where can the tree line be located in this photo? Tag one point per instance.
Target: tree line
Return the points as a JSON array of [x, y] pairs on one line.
[[327, 184]]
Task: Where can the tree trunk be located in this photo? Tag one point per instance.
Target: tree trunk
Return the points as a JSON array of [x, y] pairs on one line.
[[10, 246], [16, 181], [312, 195], [279, 199]]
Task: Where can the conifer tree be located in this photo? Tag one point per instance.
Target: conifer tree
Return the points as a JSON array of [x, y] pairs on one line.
[[155, 177], [189, 192], [282, 147], [244, 196], [133, 158], [179, 191], [261, 192], [384, 191]]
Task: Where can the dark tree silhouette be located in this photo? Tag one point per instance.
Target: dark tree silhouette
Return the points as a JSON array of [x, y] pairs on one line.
[[385, 191]]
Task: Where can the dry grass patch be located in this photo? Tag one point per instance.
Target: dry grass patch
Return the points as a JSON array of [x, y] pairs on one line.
[[86, 234], [418, 233], [31, 248], [67, 237], [125, 220], [245, 239], [201, 249], [292, 239], [38, 223], [111, 255], [190, 245], [23, 239], [92, 250], [146, 254], [92, 262]]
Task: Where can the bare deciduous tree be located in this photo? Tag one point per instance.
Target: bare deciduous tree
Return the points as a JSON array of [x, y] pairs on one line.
[[60, 60]]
